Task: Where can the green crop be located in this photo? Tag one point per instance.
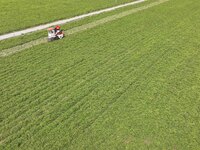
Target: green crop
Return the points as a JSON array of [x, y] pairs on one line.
[[132, 83]]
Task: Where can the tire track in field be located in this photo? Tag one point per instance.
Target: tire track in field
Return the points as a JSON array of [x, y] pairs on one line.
[[10, 51]]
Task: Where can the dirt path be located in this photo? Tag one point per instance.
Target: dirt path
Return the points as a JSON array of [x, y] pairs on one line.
[[19, 48], [60, 22]]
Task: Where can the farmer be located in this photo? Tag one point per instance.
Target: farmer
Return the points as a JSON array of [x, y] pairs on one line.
[[57, 29]]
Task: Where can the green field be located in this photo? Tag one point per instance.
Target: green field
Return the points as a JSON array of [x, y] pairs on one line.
[[133, 83], [21, 14]]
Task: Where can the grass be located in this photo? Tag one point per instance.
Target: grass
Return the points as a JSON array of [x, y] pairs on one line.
[[20, 14], [129, 84]]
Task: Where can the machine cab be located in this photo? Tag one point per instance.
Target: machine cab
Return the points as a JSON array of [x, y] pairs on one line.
[[51, 32]]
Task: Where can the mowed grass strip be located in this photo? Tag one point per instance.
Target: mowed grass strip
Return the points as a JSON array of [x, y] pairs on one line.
[[20, 14], [122, 85]]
